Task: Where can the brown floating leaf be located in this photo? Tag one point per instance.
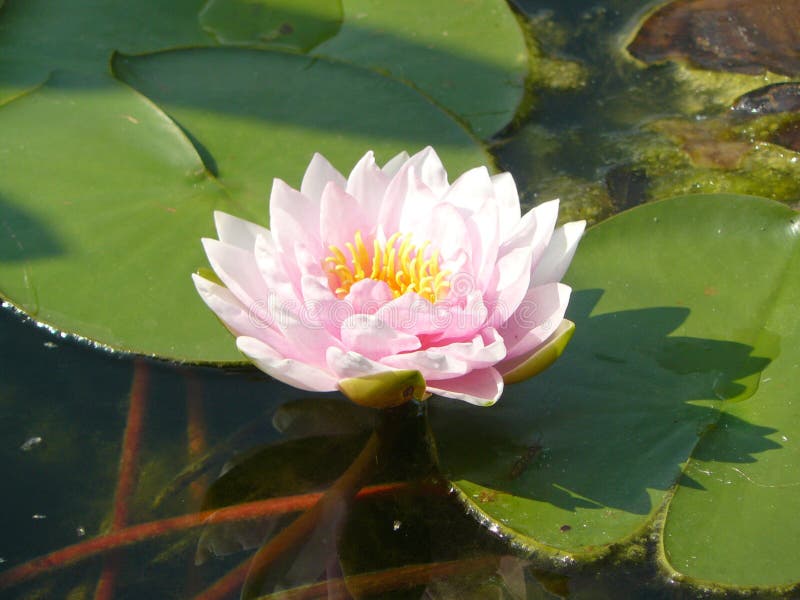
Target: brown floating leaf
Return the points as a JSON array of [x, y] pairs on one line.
[[788, 136], [742, 36], [768, 100], [708, 143]]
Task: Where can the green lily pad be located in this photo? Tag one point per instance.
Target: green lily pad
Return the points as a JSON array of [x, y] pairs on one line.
[[470, 57], [297, 24], [670, 410], [104, 199]]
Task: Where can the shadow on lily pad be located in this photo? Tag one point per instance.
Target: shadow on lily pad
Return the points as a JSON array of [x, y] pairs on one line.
[[23, 236], [609, 426]]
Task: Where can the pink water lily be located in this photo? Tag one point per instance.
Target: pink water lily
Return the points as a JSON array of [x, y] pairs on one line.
[[393, 269]]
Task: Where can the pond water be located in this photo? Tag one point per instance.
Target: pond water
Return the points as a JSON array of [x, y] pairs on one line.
[[601, 132]]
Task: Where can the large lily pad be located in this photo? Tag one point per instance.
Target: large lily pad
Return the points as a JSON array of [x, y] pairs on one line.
[[105, 199], [470, 57], [672, 400], [105, 194]]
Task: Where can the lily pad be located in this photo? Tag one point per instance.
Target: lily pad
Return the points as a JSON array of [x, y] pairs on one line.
[[670, 409], [124, 198], [105, 195], [469, 57], [297, 24]]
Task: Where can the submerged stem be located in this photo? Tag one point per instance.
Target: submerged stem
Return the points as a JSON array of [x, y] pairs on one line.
[[341, 492], [143, 532], [128, 472]]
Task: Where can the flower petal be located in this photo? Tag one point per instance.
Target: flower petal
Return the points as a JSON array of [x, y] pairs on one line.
[[406, 195], [413, 314], [451, 360], [482, 387], [393, 165], [371, 337], [441, 223], [234, 315], [367, 184], [238, 270], [270, 262], [340, 217], [430, 170], [461, 321], [538, 316], [470, 190], [555, 262], [346, 364], [317, 176], [291, 372], [293, 217], [369, 295], [507, 198], [238, 232], [509, 285]]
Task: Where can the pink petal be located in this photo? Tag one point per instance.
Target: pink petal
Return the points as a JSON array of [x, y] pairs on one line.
[[428, 166], [271, 265], [470, 190], [371, 337], [317, 176], [536, 319], [340, 217], [482, 387], [393, 165], [533, 230], [559, 253], [441, 224], [293, 217], [413, 314], [308, 334], [238, 232], [256, 321], [238, 270], [367, 184], [346, 364], [452, 360], [507, 198], [292, 372], [462, 321], [509, 285], [484, 230], [406, 195], [368, 296], [228, 309], [321, 308]]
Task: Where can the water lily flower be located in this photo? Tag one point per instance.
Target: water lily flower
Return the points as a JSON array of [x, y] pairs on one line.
[[393, 283]]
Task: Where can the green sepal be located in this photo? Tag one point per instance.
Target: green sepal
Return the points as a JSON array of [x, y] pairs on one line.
[[545, 356], [385, 390]]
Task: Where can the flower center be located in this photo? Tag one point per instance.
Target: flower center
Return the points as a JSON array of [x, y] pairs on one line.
[[402, 265]]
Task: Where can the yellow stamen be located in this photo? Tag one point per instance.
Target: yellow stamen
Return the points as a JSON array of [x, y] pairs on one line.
[[398, 262]]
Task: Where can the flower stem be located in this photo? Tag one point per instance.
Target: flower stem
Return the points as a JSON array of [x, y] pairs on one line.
[[128, 472], [340, 493], [136, 534], [381, 582]]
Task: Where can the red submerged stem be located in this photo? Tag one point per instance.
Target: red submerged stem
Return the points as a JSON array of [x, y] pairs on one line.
[[128, 472], [129, 536], [380, 582], [227, 585], [195, 427]]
